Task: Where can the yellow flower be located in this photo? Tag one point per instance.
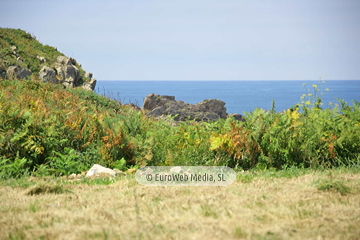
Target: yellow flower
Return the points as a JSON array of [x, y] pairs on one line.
[[314, 85], [327, 89], [307, 103], [295, 115], [309, 94]]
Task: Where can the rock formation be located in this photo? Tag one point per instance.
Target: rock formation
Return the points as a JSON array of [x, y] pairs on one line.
[[67, 73], [17, 72], [207, 110], [48, 74]]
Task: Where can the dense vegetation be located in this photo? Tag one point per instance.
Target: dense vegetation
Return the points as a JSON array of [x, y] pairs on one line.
[[45, 129]]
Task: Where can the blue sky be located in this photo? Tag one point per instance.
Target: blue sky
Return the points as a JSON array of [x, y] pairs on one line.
[[198, 39]]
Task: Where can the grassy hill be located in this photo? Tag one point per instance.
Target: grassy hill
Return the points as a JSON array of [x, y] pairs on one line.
[[19, 48], [28, 48]]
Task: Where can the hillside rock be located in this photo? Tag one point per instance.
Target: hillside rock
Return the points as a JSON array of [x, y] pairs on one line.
[[88, 75], [153, 101], [89, 85], [2, 73], [19, 49], [207, 110], [48, 74], [67, 71], [237, 117], [17, 72]]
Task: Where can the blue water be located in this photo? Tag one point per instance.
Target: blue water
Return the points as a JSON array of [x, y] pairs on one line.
[[239, 96]]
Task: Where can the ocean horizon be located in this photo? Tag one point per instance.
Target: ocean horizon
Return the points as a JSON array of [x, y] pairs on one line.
[[239, 95]]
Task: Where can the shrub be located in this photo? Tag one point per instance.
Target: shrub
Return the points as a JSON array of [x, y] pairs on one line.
[[45, 129]]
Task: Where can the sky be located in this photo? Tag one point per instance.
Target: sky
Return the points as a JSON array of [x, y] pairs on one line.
[[198, 39]]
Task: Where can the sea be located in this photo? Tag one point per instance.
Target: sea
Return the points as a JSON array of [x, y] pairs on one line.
[[239, 96]]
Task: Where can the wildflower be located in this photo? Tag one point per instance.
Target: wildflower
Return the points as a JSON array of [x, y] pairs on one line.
[[326, 89], [309, 94], [307, 103], [314, 85], [295, 115]]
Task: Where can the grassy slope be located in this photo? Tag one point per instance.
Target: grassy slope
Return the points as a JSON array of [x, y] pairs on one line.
[[266, 205], [28, 48]]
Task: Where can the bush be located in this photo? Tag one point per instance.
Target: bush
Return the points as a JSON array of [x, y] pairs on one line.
[[305, 135], [45, 129]]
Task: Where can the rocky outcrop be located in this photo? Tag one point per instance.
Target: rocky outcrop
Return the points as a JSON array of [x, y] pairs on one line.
[[67, 73], [2, 74], [17, 72], [89, 85], [90, 82], [207, 110], [237, 117], [62, 70], [48, 74], [133, 106]]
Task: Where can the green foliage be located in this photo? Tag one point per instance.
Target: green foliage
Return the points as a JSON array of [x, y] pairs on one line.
[[120, 164], [306, 137], [15, 168], [45, 129], [66, 163]]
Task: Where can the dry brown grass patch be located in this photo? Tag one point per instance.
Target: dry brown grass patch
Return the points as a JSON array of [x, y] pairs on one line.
[[265, 208]]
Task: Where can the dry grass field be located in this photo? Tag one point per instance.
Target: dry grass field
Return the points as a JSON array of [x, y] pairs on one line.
[[312, 205]]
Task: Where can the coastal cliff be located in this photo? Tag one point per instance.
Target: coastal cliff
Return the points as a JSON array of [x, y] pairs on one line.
[[24, 57]]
